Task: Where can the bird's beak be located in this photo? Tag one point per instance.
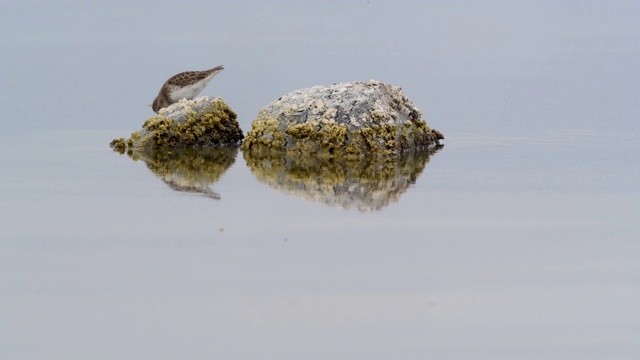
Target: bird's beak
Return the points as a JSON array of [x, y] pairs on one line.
[[149, 105]]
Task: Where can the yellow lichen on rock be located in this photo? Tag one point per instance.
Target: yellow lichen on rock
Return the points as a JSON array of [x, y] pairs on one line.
[[198, 123]]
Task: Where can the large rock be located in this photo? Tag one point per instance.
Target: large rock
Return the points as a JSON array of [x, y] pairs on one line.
[[187, 124], [354, 118]]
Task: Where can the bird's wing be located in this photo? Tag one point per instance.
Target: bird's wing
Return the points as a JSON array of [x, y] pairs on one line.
[[187, 77]]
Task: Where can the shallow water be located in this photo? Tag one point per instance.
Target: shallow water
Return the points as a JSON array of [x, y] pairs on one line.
[[517, 239]]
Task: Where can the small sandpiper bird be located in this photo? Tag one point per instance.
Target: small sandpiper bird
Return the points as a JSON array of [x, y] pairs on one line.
[[185, 85]]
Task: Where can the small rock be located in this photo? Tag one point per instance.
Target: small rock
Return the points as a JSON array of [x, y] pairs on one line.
[[198, 123], [354, 118]]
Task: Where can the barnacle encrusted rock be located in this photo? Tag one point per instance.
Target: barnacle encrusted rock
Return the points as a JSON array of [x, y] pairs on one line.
[[198, 123], [366, 183], [354, 118]]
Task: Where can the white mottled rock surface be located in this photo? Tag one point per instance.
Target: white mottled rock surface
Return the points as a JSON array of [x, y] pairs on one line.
[[354, 104], [177, 111]]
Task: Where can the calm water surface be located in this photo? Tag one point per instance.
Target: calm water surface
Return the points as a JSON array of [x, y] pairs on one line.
[[517, 240]]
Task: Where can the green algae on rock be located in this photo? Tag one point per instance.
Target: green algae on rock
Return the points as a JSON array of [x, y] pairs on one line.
[[187, 124], [353, 119], [366, 183]]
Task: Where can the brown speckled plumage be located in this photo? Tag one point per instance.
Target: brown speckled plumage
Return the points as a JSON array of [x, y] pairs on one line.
[[185, 85]]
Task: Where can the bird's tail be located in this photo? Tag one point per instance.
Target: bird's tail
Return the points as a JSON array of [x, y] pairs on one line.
[[216, 69]]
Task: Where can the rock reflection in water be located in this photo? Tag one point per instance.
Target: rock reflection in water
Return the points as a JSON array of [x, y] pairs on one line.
[[189, 170], [364, 184]]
